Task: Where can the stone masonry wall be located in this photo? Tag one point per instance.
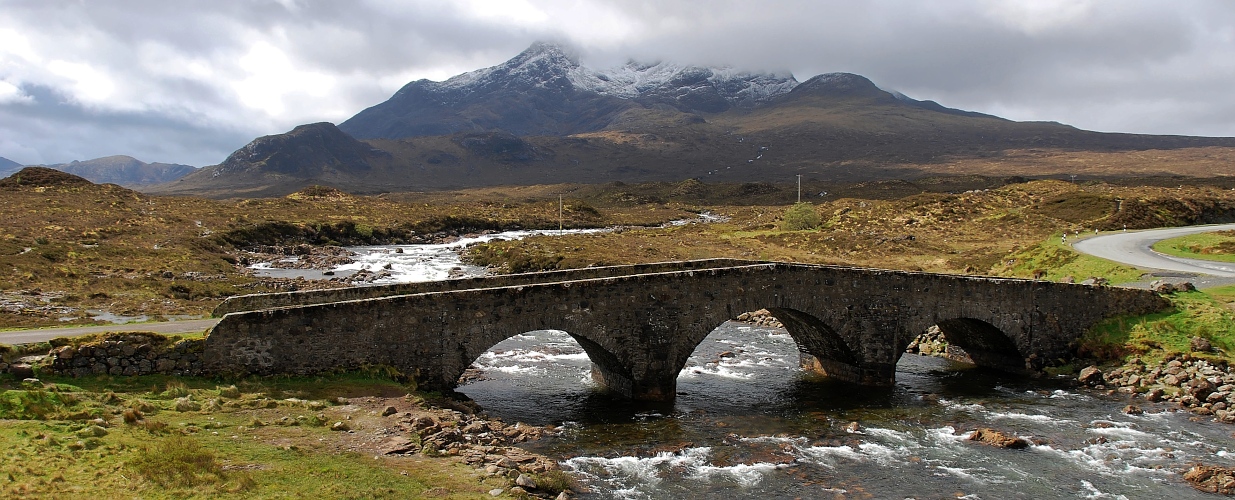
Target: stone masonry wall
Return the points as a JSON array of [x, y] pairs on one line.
[[128, 354]]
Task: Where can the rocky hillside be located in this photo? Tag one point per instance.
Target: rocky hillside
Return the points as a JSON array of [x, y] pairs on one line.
[[543, 117]]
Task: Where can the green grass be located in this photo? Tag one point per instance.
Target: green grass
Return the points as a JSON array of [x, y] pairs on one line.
[[1218, 246], [1053, 260], [240, 445], [1154, 336]]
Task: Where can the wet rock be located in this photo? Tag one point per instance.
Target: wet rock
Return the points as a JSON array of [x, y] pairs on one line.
[[1090, 375], [1133, 410], [1154, 395], [853, 427], [1212, 478], [998, 439]]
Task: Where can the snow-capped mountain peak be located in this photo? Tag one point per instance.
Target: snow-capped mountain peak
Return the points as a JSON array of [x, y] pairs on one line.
[[548, 65]]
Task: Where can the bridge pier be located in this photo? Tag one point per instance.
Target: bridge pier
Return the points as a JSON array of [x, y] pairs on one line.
[[870, 374]]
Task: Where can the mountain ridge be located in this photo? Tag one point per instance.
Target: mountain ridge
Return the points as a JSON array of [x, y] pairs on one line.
[[543, 118], [124, 170]]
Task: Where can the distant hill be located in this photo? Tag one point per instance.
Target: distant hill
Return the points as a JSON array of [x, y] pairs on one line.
[[124, 170], [544, 118], [8, 166]]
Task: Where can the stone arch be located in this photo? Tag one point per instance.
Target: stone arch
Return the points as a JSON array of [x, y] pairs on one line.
[[822, 349], [607, 369], [987, 345]]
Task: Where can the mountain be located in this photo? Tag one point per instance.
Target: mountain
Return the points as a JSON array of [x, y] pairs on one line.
[[124, 170], [545, 91], [543, 117], [8, 166]]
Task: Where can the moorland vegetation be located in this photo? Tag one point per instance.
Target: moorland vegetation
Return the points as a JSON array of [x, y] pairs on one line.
[[70, 248]]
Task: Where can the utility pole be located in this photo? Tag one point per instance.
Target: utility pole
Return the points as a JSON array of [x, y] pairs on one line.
[[799, 188]]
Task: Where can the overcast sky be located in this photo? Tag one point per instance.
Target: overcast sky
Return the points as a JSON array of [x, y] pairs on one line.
[[186, 81]]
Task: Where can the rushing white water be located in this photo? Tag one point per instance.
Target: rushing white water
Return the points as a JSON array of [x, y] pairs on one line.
[[747, 423], [432, 262]]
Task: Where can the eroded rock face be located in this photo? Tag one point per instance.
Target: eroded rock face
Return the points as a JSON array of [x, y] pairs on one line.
[[1212, 478], [998, 439]]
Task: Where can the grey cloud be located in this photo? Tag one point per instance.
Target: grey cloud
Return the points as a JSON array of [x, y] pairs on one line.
[[61, 131], [1152, 66]]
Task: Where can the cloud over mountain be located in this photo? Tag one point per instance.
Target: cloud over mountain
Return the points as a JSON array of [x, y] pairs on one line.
[[189, 82]]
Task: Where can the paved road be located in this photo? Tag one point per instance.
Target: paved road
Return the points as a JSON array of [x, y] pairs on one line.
[[1133, 248], [45, 334]]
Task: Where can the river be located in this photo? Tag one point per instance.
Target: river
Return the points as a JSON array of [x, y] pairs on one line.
[[748, 423], [432, 262], [751, 424]]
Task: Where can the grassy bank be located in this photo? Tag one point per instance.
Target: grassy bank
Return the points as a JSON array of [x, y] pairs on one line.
[[162, 437], [1218, 246], [1204, 314]]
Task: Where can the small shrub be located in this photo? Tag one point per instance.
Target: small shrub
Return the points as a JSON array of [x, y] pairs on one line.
[[554, 482], [178, 461], [175, 389], [152, 426], [800, 217], [132, 416], [230, 392]]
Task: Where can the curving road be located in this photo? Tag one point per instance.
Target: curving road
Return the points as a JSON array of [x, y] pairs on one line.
[[165, 327], [1133, 248]]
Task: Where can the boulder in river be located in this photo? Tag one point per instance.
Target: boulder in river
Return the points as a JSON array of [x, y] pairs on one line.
[[1211, 478], [998, 439], [1090, 375]]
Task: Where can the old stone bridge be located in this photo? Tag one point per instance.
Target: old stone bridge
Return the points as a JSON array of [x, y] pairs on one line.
[[639, 324]]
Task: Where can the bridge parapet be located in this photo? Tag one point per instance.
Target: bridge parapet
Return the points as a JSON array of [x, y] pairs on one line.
[[639, 329]]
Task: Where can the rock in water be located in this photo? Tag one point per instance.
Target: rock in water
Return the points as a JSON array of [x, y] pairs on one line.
[[1212, 478], [1090, 375], [998, 439]]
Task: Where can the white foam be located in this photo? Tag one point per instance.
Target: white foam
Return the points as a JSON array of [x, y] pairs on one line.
[[952, 405], [746, 475], [1095, 493], [1027, 417]]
